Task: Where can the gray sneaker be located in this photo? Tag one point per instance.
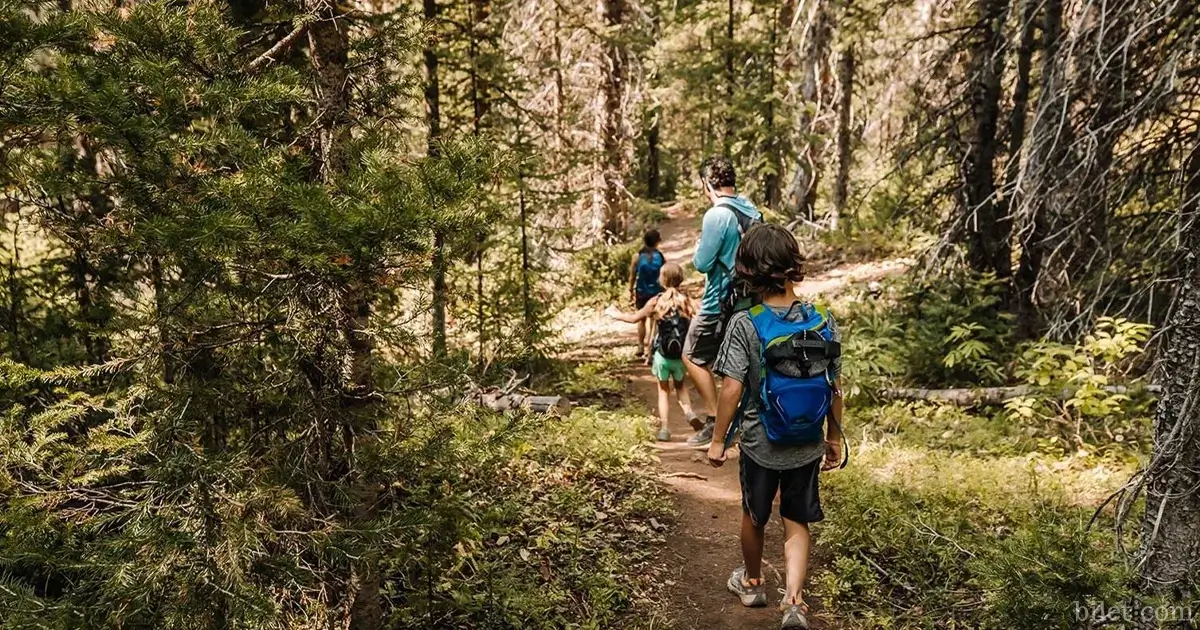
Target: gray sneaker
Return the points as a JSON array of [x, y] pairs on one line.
[[751, 596], [703, 437], [663, 435], [793, 618]]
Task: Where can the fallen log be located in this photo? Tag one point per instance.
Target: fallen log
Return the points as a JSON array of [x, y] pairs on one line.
[[991, 395], [552, 405]]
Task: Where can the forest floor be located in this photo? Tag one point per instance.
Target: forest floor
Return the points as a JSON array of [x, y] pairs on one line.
[[702, 547]]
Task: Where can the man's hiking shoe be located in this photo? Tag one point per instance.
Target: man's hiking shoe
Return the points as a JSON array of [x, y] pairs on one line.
[[793, 618], [663, 435], [703, 437], [695, 421], [751, 596]]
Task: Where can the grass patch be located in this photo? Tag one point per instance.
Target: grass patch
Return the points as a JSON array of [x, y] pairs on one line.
[[946, 519]]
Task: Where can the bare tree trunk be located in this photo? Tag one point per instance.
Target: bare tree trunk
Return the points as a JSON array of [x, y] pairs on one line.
[[988, 233], [329, 48], [612, 126], [810, 122], [1169, 556], [841, 184], [1049, 138]]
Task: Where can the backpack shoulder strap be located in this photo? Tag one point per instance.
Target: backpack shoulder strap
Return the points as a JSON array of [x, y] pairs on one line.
[[762, 318], [744, 221]]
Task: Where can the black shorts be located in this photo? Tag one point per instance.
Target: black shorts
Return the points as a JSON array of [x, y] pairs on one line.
[[799, 498], [639, 300], [703, 340]]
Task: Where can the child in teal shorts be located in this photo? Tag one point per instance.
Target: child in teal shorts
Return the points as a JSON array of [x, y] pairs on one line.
[[669, 314]]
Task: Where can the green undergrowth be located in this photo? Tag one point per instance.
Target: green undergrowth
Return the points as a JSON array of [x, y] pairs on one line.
[[536, 523], [948, 519], [988, 431]]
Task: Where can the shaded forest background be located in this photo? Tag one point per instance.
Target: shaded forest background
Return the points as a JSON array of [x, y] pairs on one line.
[[258, 255]]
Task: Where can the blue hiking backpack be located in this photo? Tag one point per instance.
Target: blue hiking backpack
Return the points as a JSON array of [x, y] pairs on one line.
[[648, 266], [794, 398]]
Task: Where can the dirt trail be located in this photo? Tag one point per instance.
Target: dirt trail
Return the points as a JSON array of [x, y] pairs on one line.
[[703, 547]]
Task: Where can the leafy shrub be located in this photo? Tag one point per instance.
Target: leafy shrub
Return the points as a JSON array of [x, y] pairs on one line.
[[940, 332], [1084, 390], [944, 427]]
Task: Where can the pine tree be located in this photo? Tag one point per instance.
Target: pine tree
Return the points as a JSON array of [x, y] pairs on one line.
[[222, 469]]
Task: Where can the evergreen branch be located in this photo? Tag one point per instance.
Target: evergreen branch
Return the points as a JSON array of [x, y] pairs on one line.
[[280, 47]]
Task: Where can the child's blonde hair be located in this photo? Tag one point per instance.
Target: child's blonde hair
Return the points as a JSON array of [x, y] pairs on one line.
[[671, 277]]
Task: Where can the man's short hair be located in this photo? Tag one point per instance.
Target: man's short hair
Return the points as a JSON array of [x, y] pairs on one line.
[[767, 258], [718, 171]]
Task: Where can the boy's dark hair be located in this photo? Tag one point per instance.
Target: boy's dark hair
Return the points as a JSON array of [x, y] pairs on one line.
[[718, 171], [651, 239], [767, 258]]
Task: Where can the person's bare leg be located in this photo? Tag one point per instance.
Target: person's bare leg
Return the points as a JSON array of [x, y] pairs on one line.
[[705, 385], [664, 403], [753, 538], [795, 552], [641, 338], [685, 399]]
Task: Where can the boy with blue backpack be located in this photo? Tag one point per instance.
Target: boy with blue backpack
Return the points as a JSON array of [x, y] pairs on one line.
[[780, 362], [644, 284]]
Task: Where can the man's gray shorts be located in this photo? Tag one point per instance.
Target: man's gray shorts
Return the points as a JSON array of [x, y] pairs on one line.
[[704, 339]]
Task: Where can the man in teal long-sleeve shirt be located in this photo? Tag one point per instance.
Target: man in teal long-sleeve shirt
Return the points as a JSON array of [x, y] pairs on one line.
[[720, 234]]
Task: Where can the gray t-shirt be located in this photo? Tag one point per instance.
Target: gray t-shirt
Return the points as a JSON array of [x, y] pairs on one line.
[[739, 359]]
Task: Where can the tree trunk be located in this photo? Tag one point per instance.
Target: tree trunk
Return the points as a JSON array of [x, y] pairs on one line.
[[16, 300], [1020, 110], [1103, 58], [479, 108], [1049, 138], [772, 180], [526, 300], [810, 124], [612, 126], [987, 231], [730, 79], [841, 184], [653, 184], [1169, 556], [433, 119], [329, 46], [480, 103]]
